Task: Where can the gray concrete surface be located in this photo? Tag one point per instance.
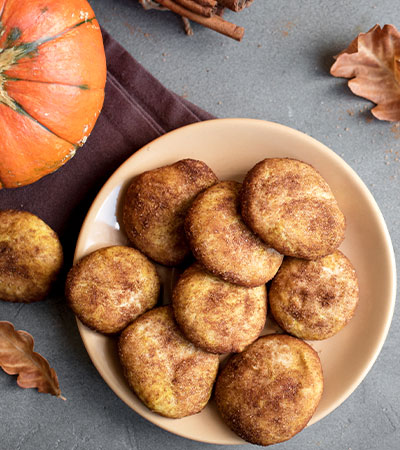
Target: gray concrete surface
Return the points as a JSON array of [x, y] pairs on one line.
[[280, 72]]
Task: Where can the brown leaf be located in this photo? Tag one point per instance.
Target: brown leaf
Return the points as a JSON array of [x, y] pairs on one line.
[[372, 60], [17, 357]]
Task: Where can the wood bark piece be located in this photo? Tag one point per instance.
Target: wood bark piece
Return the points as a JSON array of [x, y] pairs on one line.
[[215, 22]]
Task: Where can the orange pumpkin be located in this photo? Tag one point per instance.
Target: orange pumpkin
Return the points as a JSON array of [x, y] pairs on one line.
[[52, 77]]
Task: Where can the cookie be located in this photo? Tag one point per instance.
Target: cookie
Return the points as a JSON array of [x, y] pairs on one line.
[[291, 207], [169, 374], [31, 257], [155, 206], [221, 241], [314, 299], [215, 315], [111, 287], [268, 393]]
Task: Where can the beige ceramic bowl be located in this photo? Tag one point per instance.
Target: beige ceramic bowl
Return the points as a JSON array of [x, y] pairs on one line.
[[231, 147]]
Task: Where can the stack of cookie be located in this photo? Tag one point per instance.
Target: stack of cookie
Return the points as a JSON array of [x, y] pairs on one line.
[[279, 229]]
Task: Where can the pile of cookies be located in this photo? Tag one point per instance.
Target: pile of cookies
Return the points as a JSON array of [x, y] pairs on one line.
[[282, 226]]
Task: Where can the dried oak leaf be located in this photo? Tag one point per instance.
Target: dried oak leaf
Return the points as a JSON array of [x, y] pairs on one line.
[[372, 60], [17, 357]]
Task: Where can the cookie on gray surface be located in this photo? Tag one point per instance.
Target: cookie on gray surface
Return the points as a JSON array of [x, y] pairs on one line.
[[31, 257]]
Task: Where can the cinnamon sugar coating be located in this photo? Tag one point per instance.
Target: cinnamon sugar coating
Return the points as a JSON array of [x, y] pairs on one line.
[[314, 299], [215, 315], [222, 242], [155, 206], [291, 207], [111, 287], [169, 374], [31, 257], [268, 393]]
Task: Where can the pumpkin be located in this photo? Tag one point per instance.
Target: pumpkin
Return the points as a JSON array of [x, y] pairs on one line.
[[52, 77]]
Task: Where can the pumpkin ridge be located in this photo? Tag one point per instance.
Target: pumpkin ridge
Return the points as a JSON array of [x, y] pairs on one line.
[[11, 39], [22, 50], [11, 55], [29, 47], [21, 110], [72, 100], [81, 86]]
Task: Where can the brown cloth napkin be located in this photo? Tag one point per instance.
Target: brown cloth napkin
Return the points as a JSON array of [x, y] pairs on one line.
[[137, 109]]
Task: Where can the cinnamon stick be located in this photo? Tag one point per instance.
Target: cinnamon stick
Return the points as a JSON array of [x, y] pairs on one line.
[[215, 22], [196, 7], [235, 5], [220, 10], [151, 4], [211, 3]]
